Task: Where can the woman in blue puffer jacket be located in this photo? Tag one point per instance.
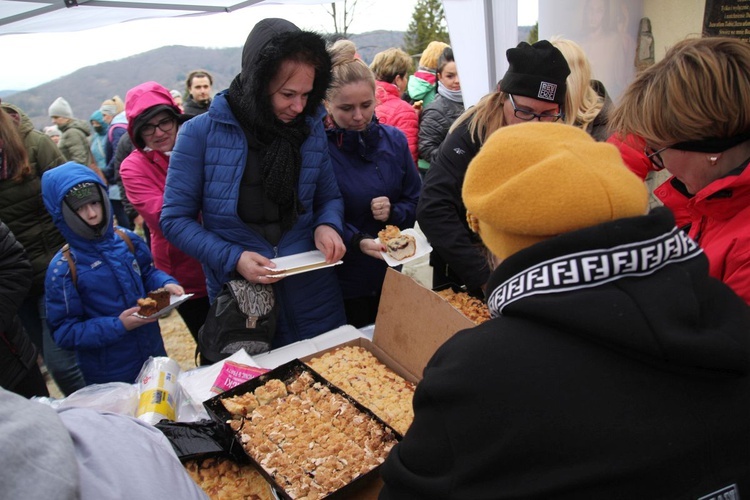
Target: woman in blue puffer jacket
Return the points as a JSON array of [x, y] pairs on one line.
[[251, 180]]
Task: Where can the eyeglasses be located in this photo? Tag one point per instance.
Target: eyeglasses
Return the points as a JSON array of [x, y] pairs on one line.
[[526, 115], [166, 125], [654, 155]]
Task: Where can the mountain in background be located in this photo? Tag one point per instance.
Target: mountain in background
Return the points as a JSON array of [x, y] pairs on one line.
[[86, 88]]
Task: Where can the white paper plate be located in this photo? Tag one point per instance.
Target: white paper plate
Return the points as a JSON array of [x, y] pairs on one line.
[[174, 301], [423, 248], [299, 263]]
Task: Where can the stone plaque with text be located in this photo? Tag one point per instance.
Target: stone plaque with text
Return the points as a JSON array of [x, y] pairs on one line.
[[727, 18]]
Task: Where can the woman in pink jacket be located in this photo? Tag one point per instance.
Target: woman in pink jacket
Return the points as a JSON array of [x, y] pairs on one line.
[[153, 121], [392, 68]]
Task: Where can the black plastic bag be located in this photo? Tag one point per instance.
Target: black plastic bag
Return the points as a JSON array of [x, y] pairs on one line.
[[202, 439]]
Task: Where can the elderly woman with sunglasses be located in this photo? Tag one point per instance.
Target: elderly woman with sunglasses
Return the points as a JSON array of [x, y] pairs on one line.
[[690, 109], [533, 88]]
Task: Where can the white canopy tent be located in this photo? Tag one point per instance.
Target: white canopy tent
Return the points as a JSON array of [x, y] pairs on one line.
[[481, 31], [44, 16]]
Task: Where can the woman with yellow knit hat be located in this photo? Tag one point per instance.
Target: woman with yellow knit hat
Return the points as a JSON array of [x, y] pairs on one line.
[[613, 367]]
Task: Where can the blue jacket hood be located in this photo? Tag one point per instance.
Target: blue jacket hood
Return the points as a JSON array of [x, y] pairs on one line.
[[56, 183], [99, 117]]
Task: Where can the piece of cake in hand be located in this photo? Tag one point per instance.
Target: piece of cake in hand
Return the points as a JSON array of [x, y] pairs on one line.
[[399, 246], [147, 306], [161, 296]]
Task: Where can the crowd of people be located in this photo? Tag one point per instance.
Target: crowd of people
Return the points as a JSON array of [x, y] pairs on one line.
[[617, 362]]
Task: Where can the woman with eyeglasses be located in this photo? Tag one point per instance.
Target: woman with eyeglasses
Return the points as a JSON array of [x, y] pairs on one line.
[[153, 122], [690, 110], [533, 88]]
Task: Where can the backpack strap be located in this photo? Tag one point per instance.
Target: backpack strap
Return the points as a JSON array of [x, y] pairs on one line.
[[111, 131], [72, 264], [122, 234]]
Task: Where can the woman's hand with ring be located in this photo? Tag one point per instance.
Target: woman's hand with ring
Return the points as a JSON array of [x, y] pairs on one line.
[[381, 208]]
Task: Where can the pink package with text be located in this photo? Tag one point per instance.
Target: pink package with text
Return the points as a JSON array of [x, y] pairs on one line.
[[233, 374]]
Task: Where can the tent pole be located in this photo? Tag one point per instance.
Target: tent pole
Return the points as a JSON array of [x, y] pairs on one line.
[[489, 29]]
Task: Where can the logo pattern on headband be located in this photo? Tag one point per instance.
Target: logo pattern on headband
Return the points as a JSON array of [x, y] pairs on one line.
[[82, 191], [547, 91], [594, 267]]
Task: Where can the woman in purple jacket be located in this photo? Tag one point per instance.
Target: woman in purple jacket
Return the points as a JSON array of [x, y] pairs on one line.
[[376, 176]]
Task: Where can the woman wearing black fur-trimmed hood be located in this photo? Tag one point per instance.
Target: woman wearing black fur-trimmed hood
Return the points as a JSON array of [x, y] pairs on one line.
[[257, 171]]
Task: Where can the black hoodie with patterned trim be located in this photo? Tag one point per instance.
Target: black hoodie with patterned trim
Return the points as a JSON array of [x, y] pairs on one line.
[[614, 367]]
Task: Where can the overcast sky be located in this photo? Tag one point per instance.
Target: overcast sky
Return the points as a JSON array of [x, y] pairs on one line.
[[32, 59]]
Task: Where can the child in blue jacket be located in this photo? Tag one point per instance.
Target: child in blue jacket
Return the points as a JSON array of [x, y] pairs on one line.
[[90, 305]]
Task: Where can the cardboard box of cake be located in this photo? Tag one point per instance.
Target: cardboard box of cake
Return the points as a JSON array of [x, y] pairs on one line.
[[412, 323], [308, 437], [381, 374]]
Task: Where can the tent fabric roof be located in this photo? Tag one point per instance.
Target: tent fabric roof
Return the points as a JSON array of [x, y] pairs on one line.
[[45, 16]]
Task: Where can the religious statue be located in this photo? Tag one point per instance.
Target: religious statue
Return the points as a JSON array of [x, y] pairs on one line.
[[644, 52]]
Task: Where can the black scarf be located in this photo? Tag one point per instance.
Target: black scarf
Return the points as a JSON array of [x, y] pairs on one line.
[[280, 152]]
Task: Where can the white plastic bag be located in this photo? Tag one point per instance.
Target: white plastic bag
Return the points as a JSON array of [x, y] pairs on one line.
[[115, 397]]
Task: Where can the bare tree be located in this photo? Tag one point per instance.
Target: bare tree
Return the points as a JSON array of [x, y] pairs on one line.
[[343, 15]]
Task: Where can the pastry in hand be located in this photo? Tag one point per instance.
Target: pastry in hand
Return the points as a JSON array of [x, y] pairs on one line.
[[398, 245], [148, 307], [161, 296]]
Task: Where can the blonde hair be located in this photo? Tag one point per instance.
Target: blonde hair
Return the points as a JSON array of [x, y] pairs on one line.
[[390, 63], [430, 55], [582, 103], [347, 68], [698, 91], [485, 117], [116, 101]]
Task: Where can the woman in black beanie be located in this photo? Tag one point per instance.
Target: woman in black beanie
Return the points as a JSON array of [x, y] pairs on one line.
[[533, 88], [251, 180]]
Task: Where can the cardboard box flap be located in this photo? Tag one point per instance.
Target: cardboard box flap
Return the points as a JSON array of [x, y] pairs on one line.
[[413, 322]]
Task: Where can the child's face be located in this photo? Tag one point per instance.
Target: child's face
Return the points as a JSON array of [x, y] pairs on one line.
[[91, 213]]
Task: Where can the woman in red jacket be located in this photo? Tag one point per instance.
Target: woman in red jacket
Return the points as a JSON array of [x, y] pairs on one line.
[[153, 121], [689, 109], [391, 68]]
